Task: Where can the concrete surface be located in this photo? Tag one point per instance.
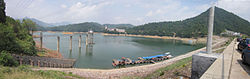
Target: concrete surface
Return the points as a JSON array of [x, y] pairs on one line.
[[238, 69], [228, 65], [201, 62]]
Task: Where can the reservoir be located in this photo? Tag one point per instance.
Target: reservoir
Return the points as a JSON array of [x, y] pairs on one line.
[[106, 48]]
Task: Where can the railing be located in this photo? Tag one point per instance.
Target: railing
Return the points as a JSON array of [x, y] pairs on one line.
[[44, 61]]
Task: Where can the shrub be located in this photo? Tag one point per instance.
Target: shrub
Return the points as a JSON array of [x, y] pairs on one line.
[[6, 59]]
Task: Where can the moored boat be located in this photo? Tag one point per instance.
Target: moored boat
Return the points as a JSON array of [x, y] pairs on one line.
[[148, 59]]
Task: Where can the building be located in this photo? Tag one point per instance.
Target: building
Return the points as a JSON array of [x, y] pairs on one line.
[[230, 33], [115, 29]]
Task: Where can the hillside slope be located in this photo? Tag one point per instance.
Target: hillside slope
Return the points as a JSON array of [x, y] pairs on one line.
[[81, 27], [120, 26], [196, 26]]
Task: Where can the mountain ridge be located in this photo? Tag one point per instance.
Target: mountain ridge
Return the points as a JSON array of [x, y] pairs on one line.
[[195, 26]]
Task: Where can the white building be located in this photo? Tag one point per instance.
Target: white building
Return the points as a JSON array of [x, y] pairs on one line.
[[115, 29]]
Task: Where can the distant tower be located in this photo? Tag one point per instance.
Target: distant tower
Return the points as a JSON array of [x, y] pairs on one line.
[[90, 37], [106, 28]]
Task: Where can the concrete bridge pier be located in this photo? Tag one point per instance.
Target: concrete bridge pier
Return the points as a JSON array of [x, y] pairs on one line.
[[41, 40], [58, 44], [80, 38], [70, 47], [87, 40]]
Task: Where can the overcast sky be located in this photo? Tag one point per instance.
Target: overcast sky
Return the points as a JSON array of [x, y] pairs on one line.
[[135, 12]]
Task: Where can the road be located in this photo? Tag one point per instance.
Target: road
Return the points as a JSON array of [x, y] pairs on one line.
[[228, 65], [238, 69]]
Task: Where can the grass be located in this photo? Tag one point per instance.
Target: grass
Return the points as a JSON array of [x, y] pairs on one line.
[[41, 53], [25, 72], [226, 44], [179, 64], [219, 51]]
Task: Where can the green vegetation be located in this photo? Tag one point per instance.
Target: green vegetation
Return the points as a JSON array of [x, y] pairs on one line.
[[178, 64], [81, 27], [119, 26], [15, 38], [196, 26], [191, 27], [160, 72], [6, 59], [25, 72], [2, 12], [84, 27]]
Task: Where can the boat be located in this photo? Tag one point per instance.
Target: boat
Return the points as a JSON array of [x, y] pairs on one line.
[[148, 59]]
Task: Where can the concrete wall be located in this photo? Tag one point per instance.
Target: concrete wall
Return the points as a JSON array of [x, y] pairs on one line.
[[44, 61], [201, 62]]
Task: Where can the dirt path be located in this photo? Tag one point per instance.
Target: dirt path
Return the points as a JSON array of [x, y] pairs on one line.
[[130, 71]]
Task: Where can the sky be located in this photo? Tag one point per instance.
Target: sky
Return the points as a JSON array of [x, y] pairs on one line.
[[136, 12]]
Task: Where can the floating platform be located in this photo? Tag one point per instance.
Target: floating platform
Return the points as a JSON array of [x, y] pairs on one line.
[[140, 60]]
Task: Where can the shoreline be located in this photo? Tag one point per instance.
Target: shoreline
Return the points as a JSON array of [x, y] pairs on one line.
[[141, 71], [185, 40], [48, 52]]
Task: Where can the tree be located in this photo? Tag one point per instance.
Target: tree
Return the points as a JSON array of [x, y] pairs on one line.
[[2, 12], [195, 26], [29, 24]]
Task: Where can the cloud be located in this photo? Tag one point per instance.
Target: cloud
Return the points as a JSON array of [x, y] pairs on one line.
[[136, 12], [150, 13], [80, 12], [238, 7], [64, 6]]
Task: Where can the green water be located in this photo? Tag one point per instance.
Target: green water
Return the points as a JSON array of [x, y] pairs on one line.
[[106, 48]]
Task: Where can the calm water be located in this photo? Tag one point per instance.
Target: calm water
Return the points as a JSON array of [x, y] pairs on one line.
[[106, 48]]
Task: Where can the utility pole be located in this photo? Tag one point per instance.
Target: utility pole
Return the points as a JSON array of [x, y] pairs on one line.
[[210, 30]]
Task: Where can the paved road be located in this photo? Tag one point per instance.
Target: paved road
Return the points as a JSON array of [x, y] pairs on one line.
[[228, 65], [238, 69]]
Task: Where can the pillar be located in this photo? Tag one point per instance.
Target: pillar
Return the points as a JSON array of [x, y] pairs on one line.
[[87, 40], [70, 43], [41, 40], [38, 63], [80, 38], [210, 30], [20, 61], [31, 62], [58, 43]]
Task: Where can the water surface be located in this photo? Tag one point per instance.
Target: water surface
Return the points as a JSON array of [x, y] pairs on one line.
[[106, 48]]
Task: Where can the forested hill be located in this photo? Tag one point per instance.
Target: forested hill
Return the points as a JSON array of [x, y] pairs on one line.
[[120, 26], [80, 27], [196, 26], [83, 27]]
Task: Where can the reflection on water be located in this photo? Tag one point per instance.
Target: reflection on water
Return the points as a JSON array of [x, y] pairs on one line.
[[79, 53], [106, 48], [89, 50]]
